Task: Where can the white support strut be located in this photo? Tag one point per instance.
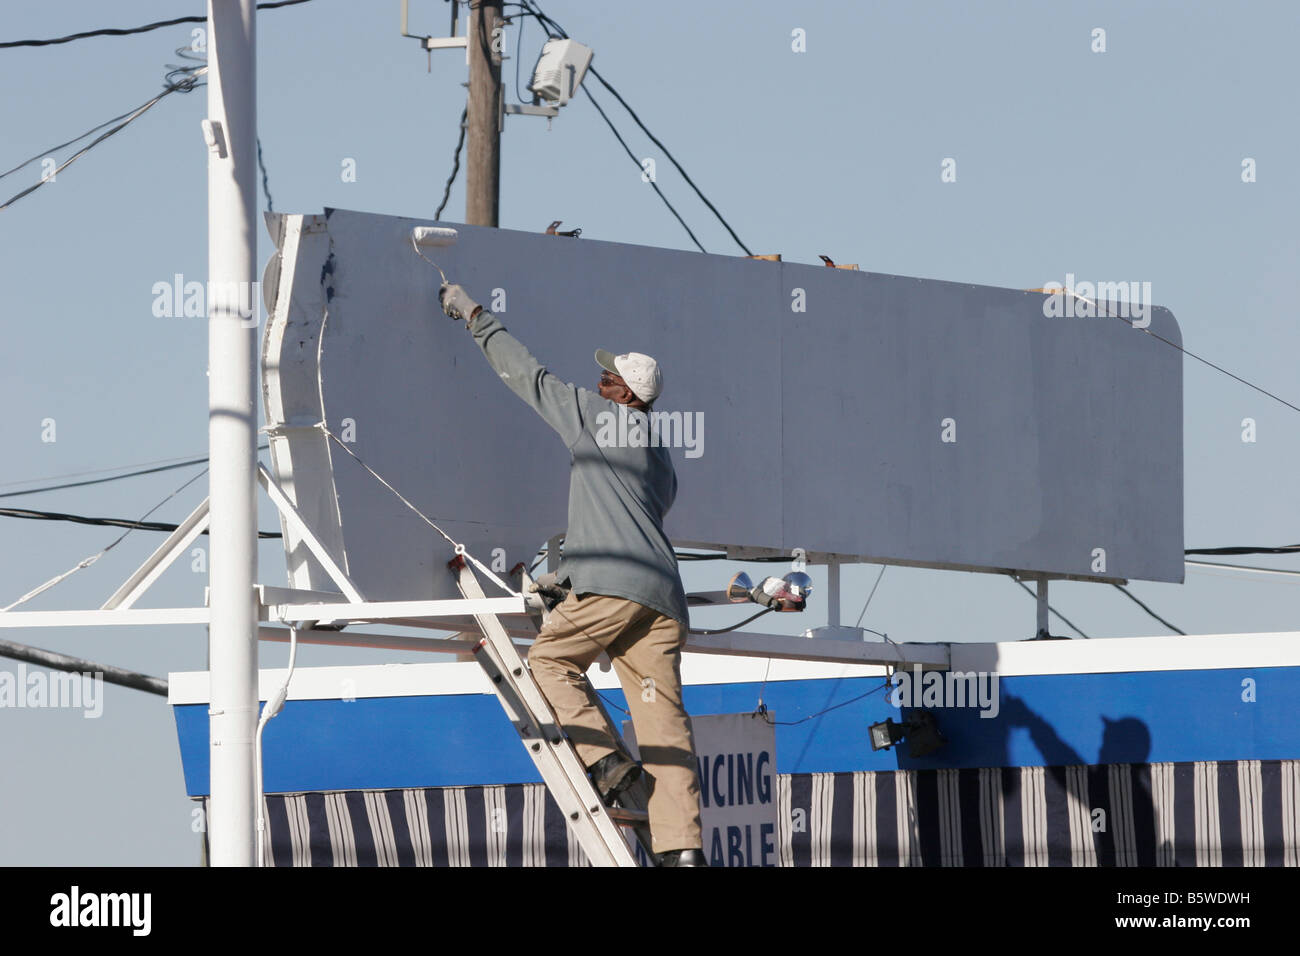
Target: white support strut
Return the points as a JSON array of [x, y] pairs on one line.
[[158, 562], [290, 513]]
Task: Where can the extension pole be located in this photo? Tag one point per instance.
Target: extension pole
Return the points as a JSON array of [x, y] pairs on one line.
[[483, 172], [231, 133]]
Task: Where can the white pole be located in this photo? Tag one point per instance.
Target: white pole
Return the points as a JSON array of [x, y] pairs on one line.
[[231, 133], [1042, 605], [833, 591]]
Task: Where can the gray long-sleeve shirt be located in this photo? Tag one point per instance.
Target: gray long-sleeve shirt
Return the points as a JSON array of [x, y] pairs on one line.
[[619, 489]]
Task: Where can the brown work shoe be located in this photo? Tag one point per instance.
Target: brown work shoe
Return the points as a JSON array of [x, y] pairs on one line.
[[613, 773]]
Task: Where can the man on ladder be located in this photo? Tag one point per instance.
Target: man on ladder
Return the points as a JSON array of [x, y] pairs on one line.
[[625, 594]]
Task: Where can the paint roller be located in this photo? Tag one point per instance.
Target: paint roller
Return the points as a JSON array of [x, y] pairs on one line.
[[432, 237]]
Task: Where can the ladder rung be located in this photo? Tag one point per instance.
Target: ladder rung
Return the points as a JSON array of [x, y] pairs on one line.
[[627, 816]]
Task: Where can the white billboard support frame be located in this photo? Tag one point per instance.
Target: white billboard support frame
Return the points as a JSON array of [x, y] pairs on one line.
[[158, 562]]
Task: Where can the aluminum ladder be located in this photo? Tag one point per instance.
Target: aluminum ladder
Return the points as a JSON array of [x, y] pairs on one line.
[[595, 825]]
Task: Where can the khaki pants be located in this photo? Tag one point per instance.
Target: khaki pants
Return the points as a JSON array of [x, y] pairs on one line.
[[646, 650]]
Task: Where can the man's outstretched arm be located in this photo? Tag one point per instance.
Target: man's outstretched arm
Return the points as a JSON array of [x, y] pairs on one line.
[[555, 400]]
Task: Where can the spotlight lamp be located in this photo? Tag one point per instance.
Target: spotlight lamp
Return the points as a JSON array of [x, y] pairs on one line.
[[789, 593]]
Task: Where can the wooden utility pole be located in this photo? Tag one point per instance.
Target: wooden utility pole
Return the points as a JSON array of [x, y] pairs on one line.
[[483, 175]]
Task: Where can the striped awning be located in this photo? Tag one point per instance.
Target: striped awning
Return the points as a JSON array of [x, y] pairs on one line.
[[1207, 813]]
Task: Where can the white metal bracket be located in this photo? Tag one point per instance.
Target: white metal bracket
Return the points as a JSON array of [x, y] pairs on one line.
[[526, 110], [290, 513], [160, 560], [214, 134]]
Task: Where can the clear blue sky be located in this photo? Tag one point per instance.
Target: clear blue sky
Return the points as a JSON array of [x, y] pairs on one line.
[[1117, 165]]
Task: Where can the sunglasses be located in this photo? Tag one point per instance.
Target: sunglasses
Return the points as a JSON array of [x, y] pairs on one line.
[[607, 379]]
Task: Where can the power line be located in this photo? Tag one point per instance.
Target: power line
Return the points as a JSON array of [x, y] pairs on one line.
[[548, 24], [871, 595], [130, 31], [184, 85], [181, 79], [186, 82], [1284, 549], [107, 522], [1161, 338], [1065, 619], [672, 159], [93, 471], [266, 185], [88, 561], [1134, 599], [1220, 368], [99, 481], [632, 156], [519, 48], [455, 166], [106, 32], [44, 153]]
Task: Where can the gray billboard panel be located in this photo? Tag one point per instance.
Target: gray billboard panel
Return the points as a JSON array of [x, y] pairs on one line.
[[871, 416]]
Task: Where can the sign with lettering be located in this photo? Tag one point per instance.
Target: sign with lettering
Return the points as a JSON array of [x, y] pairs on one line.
[[737, 766]]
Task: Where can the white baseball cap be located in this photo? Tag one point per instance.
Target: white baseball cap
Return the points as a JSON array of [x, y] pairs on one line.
[[640, 371]]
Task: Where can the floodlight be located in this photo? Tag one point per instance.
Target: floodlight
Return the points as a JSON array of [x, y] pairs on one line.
[[739, 587], [789, 593], [885, 734], [560, 70], [799, 585]]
